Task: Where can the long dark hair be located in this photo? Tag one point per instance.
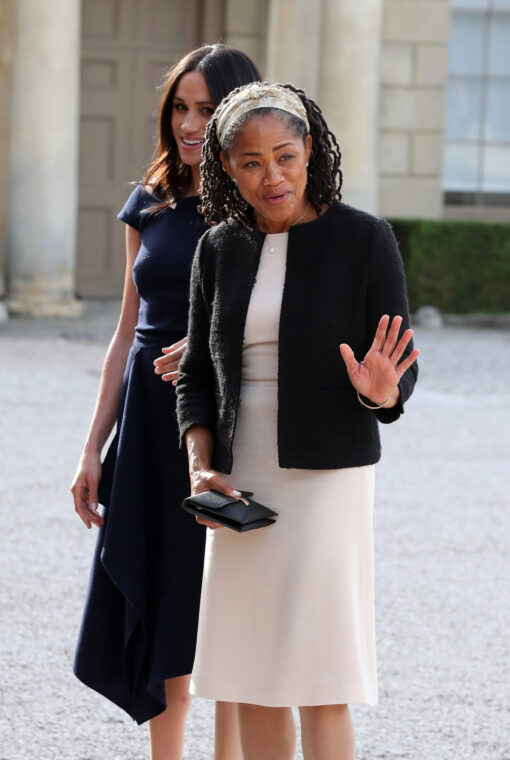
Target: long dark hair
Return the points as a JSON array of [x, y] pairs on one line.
[[224, 69], [221, 198]]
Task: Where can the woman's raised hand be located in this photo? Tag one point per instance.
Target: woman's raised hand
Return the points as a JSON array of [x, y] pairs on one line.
[[209, 480], [84, 489], [168, 365], [377, 376]]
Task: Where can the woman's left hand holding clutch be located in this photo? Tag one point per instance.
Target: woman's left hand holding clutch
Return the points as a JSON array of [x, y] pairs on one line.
[[377, 376]]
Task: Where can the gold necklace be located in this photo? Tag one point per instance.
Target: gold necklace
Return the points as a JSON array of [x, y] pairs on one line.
[[272, 247]]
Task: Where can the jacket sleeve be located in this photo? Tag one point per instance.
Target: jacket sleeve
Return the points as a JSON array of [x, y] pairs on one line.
[[387, 294], [195, 387]]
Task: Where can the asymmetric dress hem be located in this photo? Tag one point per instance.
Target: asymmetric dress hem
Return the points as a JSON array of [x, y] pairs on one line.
[[141, 613]]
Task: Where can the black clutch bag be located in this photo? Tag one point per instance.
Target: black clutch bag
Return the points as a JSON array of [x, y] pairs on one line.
[[240, 513]]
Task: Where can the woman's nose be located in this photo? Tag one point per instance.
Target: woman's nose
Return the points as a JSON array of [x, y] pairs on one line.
[[273, 175], [190, 123]]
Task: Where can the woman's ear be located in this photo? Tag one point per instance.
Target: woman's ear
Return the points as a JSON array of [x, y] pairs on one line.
[[226, 164], [308, 147]]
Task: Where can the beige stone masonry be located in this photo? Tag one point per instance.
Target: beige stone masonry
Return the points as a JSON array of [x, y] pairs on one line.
[[412, 107], [397, 64], [427, 154], [349, 88], [394, 153], [246, 18], [246, 27], [415, 197], [432, 65], [416, 21], [295, 43]]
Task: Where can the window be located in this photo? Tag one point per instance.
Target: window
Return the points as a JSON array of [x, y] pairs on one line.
[[477, 131]]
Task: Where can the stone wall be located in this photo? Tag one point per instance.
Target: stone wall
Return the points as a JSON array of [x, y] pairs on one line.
[[412, 107], [246, 27]]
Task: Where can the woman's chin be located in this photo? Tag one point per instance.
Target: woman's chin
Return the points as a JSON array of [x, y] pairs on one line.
[[188, 159], [277, 212]]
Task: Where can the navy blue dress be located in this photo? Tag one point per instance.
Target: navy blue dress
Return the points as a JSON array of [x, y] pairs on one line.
[[141, 614]]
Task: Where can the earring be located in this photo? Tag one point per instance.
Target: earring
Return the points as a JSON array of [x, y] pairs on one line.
[[306, 165]]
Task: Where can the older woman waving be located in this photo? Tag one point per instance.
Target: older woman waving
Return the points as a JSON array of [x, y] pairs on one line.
[[298, 344]]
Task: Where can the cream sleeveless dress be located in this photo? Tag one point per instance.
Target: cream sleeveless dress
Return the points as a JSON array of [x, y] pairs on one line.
[[287, 611]]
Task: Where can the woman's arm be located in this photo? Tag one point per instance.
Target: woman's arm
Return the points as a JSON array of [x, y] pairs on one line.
[[196, 400], [387, 374], [199, 442], [388, 295], [88, 473]]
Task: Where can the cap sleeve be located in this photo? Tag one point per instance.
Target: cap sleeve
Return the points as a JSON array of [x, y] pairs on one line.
[[138, 201]]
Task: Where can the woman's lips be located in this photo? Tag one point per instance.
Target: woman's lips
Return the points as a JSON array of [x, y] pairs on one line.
[[188, 143], [276, 199]]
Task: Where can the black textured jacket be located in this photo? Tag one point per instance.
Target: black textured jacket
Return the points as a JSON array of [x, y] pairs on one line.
[[344, 272]]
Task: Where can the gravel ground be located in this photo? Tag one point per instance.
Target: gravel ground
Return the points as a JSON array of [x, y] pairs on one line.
[[442, 549]]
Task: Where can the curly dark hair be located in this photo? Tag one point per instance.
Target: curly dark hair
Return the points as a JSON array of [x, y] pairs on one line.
[[221, 199]]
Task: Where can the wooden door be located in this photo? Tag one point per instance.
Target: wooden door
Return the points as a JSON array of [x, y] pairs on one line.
[[127, 45]]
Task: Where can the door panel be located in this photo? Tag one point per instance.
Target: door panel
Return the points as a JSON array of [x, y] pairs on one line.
[[127, 45]]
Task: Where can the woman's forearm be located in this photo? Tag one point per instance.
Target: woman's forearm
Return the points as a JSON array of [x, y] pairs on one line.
[[199, 443], [105, 411]]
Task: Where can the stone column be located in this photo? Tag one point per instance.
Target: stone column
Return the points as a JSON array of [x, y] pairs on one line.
[[6, 34], [349, 91], [246, 28], [43, 173], [294, 43]]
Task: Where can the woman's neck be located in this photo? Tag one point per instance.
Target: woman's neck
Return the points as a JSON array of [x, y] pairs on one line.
[[273, 227], [195, 181]]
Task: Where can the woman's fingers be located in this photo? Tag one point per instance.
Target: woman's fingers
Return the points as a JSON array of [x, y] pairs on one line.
[[93, 504], [180, 344], [87, 509], [216, 482], [208, 523], [79, 492], [207, 480], [170, 376], [166, 364], [80, 506], [172, 354], [392, 336], [404, 365], [349, 358], [86, 502], [380, 333], [223, 486], [402, 345]]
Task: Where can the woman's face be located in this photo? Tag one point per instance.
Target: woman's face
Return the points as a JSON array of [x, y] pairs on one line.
[[192, 108], [268, 161]]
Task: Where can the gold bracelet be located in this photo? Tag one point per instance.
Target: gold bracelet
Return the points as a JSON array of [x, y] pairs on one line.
[[381, 406]]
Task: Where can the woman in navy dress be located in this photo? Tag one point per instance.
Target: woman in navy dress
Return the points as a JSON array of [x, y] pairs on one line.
[[137, 639]]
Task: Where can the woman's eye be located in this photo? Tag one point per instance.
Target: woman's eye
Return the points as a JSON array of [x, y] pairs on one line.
[[208, 111], [179, 106], [251, 164], [286, 157]]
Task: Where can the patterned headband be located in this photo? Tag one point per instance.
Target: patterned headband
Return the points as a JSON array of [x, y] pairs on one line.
[[257, 95]]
